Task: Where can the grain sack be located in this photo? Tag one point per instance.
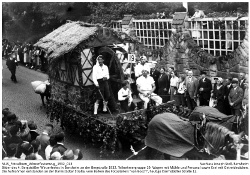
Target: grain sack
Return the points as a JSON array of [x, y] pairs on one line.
[[40, 89], [35, 84]]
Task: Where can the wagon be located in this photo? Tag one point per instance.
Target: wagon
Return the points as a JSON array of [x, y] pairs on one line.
[[71, 51]]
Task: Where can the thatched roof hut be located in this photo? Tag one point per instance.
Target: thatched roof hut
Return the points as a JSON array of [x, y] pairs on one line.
[[72, 34], [71, 51]]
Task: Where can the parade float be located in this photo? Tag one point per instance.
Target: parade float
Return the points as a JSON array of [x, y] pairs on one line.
[[71, 51]]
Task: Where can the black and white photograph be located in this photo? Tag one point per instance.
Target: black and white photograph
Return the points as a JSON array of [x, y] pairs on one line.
[[126, 81]]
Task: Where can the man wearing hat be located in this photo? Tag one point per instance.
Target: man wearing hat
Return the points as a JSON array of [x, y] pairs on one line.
[[235, 97], [146, 86], [100, 79], [204, 89]]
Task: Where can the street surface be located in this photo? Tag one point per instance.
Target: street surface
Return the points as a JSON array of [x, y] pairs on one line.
[[21, 99]]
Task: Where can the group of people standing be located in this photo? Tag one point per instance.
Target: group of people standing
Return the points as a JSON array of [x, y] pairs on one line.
[[20, 140], [163, 85], [26, 54]]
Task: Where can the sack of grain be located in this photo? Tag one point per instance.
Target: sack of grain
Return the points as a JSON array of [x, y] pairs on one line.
[[35, 84], [40, 89]]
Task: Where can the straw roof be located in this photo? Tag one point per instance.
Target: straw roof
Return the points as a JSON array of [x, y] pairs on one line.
[[67, 37]]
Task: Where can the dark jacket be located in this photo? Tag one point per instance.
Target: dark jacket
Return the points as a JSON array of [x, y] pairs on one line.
[[236, 97], [219, 95], [207, 87], [226, 102], [33, 135], [155, 74], [11, 64], [163, 82]]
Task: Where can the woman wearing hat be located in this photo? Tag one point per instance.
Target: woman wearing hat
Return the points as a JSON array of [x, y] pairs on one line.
[[218, 95]]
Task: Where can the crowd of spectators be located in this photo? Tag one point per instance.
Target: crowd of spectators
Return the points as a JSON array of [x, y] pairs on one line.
[[25, 54], [20, 140], [229, 96]]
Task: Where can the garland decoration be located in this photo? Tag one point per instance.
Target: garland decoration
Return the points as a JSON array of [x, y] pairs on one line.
[[130, 127]]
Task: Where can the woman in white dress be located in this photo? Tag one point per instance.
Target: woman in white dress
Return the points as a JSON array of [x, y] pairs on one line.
[[25, 55]]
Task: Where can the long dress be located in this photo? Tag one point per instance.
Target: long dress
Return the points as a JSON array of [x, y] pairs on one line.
[[219, 94], [162, 84], [25, 58]]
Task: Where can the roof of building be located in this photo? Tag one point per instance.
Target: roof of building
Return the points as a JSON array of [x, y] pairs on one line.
[[68, 36], [179, 18], [126, 20]]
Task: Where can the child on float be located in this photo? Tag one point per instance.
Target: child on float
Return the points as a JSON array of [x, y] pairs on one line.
[[125, 97]]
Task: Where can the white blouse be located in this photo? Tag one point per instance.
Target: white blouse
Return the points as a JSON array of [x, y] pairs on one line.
[[122, 92], [174, 81], [99, 72]]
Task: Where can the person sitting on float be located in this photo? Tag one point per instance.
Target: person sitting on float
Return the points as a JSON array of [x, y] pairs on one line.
[[125, 97], [146, 86]]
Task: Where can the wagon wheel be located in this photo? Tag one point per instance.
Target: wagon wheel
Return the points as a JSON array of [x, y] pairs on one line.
[[115, 69]]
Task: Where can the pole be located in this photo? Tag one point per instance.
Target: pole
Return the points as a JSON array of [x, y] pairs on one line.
[[106, 104]]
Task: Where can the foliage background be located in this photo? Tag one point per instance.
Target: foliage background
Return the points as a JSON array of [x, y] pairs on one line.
[[29, 21]]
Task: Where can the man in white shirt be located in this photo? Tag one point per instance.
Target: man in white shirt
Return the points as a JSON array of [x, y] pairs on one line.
[[100, 77], [141, 66], [146, 86]]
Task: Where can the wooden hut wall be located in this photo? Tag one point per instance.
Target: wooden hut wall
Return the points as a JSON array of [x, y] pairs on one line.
[[65, 70], [65, 81], [87, 66]]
